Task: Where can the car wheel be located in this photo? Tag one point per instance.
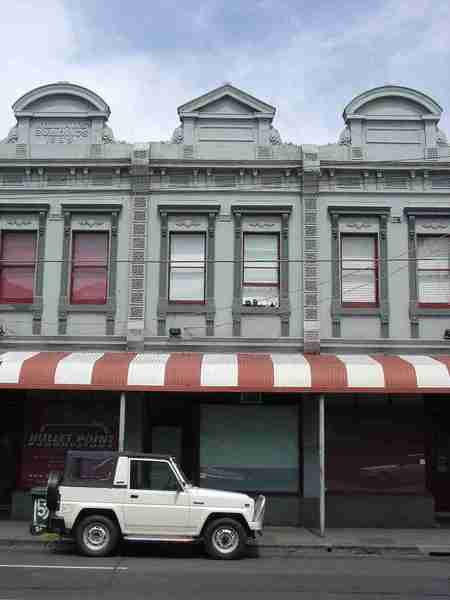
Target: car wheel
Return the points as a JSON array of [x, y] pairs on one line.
[[96, 535], [53, 482], [225, 539]]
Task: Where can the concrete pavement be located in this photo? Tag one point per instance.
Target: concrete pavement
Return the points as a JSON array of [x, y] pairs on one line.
[[289, 540]]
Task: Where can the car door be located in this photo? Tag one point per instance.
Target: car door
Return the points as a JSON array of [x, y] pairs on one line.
[[156, 503]]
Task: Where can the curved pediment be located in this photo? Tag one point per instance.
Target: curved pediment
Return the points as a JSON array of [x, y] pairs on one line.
[[61, 99], [392, 102]]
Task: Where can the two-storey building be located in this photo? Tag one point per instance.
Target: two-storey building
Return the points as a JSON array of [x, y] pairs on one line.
[[272, 314]]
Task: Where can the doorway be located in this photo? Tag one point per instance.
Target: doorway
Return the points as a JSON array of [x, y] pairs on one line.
[[11, 442], [172, 428], [439, 454]]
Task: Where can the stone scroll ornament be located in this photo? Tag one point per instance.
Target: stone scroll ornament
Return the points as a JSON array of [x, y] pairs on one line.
[[12, 136]]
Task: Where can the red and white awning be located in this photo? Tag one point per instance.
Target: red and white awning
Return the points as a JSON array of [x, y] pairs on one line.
[[191, 371]]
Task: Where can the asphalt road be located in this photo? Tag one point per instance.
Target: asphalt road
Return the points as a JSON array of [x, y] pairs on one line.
[[155, 572]]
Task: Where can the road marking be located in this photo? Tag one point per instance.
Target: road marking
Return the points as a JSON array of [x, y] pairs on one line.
[[63, 567]]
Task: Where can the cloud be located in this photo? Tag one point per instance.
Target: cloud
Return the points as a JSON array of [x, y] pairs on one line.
[[306, 60]]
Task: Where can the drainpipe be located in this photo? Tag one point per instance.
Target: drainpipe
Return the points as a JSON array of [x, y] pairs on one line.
[[122, 422], [322, 463]]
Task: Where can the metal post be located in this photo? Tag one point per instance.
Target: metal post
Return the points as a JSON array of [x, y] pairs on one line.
[[322, 463], [122, 422]]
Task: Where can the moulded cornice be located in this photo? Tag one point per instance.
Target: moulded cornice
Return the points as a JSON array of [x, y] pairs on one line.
[[189, 208], [21, 106], [430, 105], [226, 90]]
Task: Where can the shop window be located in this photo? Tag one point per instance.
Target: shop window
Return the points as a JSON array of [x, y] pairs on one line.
[[373, 445], [433, 270], [261, 273], [249, 448], [187, 267], [359, 270], [18, 267], [89, 277]]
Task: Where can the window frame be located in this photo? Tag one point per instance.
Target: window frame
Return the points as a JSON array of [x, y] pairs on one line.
[[209, 213], [376, 270], [426, 305], [416, 309], [74, 267], [169, 266], [154, 460], [244, 284], [19, 265], [93, 213], [338, 311], [22, 213], [283, 310]]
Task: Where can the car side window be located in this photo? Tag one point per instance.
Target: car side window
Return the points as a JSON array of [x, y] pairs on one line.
[[152, 475]]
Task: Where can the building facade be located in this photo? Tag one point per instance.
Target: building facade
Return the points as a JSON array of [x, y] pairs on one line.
[[272, 314]]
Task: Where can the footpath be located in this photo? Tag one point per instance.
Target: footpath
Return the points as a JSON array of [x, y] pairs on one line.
[[284, 541]]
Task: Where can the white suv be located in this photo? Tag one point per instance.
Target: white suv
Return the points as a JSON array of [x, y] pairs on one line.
[[105, 496]]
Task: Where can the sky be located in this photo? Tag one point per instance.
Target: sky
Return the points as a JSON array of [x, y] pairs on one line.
[[146, 58]]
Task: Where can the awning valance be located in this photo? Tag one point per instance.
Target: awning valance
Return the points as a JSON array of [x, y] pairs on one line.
[[257, 372]]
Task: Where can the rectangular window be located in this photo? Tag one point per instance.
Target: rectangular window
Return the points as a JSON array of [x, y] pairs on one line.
[[433, 270], [89, 280], [249, 448], [261, 272], [187, 267], [359, 270], [17, 267]]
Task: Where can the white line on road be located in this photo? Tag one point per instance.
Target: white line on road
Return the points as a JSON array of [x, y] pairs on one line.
[[63, 567]]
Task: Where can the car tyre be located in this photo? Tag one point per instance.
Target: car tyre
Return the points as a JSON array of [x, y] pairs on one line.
[[54, 479], [225, 539], [97, 535]]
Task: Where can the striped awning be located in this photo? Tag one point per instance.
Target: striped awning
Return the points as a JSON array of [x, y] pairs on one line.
[[257, 372]]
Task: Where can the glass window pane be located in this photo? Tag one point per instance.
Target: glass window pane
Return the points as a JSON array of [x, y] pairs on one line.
[[358, 252], [17, 284], [358, 286], [152, 475], [249, 448], [263, 296], [187, 284], [187, 247], [90, 248], [89, 285], [18, 246], [434, 287], [435, 250], [260, 275], [260, 247]]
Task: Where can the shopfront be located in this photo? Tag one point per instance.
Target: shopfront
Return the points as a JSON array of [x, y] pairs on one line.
[[250, 423]]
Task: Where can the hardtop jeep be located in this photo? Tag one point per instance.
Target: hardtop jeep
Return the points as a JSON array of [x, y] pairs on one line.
[[104, 496]]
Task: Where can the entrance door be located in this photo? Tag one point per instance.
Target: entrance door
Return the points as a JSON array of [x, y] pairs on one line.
[[156, 504], [440, 467]]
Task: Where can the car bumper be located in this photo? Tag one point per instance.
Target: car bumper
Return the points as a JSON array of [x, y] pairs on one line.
[[256, 524]]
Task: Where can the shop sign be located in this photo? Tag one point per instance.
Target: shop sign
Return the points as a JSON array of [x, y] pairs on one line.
[[44, 450]]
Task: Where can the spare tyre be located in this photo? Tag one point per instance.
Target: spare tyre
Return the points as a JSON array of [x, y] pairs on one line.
[[53, 482]]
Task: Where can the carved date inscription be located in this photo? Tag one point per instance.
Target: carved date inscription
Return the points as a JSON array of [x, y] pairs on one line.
[[60, 131]]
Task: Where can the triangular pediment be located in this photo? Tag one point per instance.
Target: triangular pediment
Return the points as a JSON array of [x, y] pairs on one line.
[[227, 100]]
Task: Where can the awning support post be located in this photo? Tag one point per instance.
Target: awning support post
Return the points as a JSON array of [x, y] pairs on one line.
[[322, 463], [122, 415]]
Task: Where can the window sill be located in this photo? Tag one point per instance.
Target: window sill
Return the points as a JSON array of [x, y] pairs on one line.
[[19, 307], [432, 311], [262, 310], [357, 311], [195, 308], [87, 308]]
